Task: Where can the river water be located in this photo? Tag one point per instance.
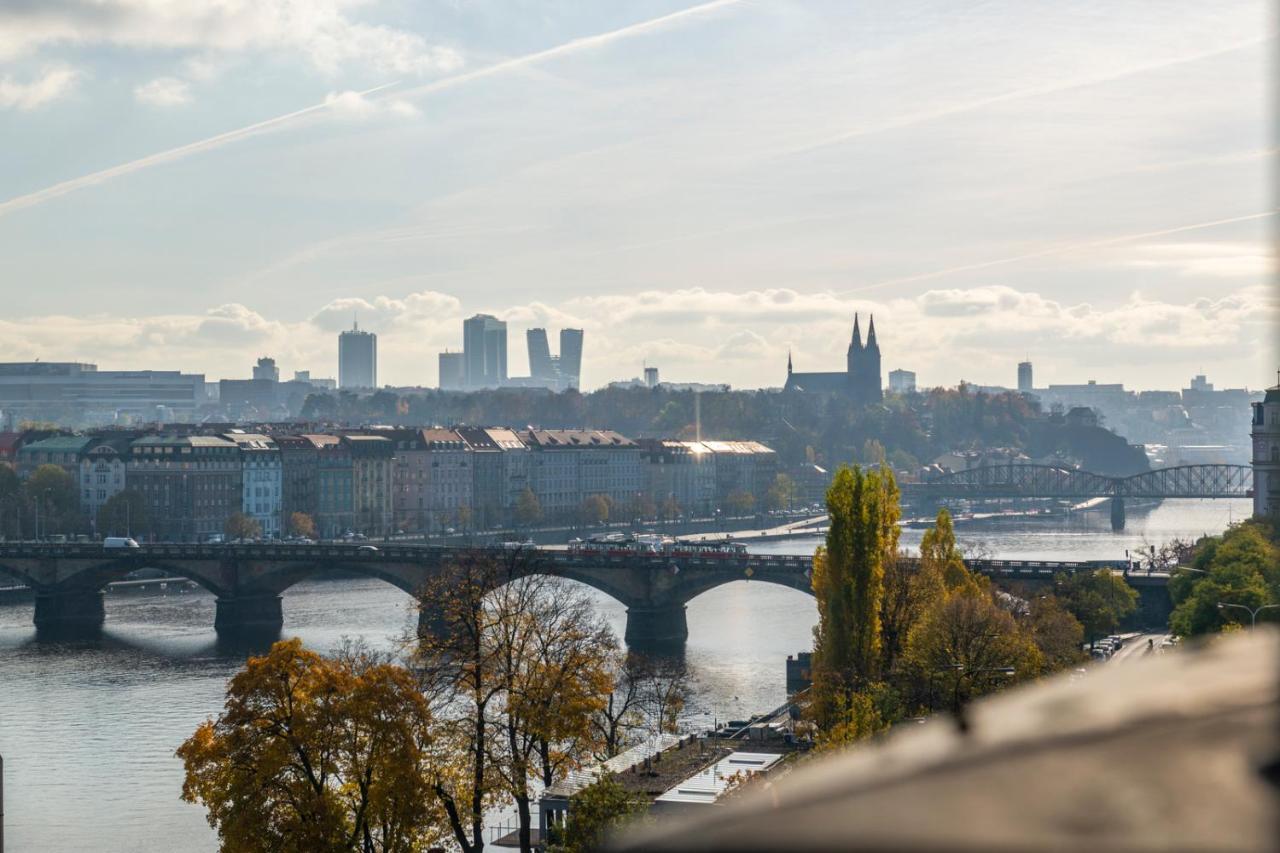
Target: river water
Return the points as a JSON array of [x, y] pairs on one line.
[[88, 727]]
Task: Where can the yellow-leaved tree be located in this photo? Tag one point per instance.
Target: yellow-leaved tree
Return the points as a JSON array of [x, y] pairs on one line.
[[315, 753]]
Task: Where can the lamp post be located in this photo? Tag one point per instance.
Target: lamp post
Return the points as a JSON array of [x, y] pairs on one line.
[[1252, 611]]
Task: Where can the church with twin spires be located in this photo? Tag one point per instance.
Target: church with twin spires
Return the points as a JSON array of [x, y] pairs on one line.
[[860, 381]]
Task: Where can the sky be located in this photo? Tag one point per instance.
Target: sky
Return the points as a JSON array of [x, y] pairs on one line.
[[702, 187]]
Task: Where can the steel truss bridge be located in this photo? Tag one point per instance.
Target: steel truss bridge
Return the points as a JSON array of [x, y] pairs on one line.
[[1051, 481]]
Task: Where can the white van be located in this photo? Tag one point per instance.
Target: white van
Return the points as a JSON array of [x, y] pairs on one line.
[[118, 542]]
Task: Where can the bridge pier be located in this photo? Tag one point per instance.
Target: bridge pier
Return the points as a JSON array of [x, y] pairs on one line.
[[249, 613], [654, 626], [70, 609], [1117, 513]]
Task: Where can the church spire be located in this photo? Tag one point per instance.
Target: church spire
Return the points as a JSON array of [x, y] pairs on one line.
[[871, 334], [856, 343], [788, 361]]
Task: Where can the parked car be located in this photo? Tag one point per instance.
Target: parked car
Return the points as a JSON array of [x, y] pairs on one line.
[[367, 548], [114, 542]]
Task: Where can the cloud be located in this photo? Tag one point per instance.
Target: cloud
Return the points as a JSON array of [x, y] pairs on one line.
[[742, 338], [1213, 260], [52, 83], [322, 31], [357, 106], [163, 92]]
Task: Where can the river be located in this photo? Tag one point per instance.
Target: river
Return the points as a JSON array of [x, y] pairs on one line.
[[88, 727]]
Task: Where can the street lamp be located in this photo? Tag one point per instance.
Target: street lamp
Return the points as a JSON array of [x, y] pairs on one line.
[[1252, 611]]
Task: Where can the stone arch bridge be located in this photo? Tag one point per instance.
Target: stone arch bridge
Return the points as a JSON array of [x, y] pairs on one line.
[[68, 579]]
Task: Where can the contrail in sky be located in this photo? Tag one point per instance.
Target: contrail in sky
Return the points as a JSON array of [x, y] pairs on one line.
[[1020, 94], [1059, 249], [576, 45]]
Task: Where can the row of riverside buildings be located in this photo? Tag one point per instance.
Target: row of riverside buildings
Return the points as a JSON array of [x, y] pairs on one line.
[[383, 480]]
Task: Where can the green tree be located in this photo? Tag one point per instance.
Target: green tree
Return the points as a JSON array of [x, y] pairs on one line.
[[124, 513], [967, 645], [1099, 600], [528, 509], [940, 557], [595, 813], [782, 493], [240, 526], [56, 495], [739, 502], [594, 510], [1240, 567], [848, 584], [312, 753]]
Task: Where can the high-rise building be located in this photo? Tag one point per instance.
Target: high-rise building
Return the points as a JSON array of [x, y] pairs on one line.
[[357, 359], [484, 349], [540, 364], [902, 381], [571, 357], [1024, 376], [266, 369], [651, 377], [453, 371]]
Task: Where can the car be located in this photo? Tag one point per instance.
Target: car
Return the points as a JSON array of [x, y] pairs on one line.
[[215, 539], [113, 542], [367, 548]]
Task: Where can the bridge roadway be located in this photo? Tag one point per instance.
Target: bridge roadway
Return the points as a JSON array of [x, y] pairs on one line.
[[68, 579]]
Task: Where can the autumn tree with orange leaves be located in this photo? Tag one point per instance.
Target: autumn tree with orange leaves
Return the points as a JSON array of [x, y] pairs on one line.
[[314, 753]]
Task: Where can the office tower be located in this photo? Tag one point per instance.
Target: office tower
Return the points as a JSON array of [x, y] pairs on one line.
[[484, 349], [266, 369], [1024, 376], [453, 371], [902, 381], [357, 359], [540, 365], [570, 357], [651, 377]]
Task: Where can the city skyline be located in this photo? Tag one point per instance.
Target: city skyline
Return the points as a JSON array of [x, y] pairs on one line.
[[1120, 179]]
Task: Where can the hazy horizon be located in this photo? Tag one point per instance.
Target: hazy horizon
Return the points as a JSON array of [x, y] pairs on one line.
[[703, 187]]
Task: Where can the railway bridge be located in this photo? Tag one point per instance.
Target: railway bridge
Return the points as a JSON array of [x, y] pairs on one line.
[[1052, 481], [69, 579]]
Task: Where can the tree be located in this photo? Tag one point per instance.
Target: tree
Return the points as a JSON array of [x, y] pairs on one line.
[[517, 666], [56, 495], [967, 645], [595, 509], [528, 509], [595, 813], [13, 503], [1098, 599], [940, 556], [240, 526], [739, 502], [1240, 567], [312, 753], [301, 524], [123, 513], [848, 584], [782, 493], [1057, 633], [670, 509]]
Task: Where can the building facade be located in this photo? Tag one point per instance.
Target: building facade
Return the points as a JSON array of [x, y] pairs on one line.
[[902, 381], [860, 380], [262, 481], [743, 468], [357, 359], [335, 493], [103, 471], [371, 483], [453, 371], [566, 466], [499, 473], [190, 485], [484, 349], [1026, 380], [679, 476], [61, 450], [1266, 455]]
